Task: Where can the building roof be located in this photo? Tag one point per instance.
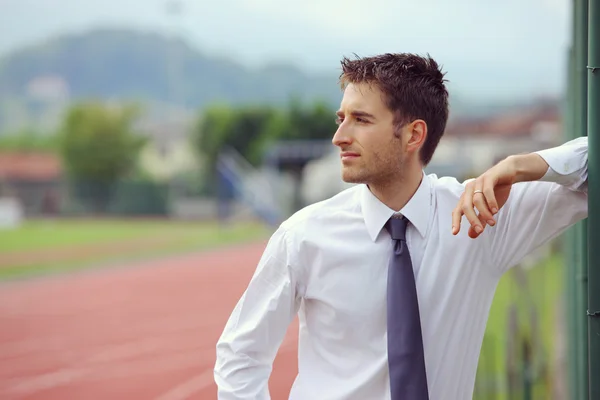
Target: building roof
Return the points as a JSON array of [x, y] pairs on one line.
[[31, 166], [522, 122]]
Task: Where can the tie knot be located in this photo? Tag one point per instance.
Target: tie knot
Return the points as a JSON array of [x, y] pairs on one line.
[[397, 227]]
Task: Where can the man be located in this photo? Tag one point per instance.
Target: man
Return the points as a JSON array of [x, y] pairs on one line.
[[346, 265]]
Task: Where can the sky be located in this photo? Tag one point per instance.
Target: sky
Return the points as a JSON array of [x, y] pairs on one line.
[[489, 49]]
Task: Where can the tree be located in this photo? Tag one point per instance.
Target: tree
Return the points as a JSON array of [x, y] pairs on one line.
[[99, 146], [303, 122], [28, 141], [251, 129], [239, 128]]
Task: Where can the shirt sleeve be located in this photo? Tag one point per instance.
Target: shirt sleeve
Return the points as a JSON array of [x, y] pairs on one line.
[[537, 212], [258, 323]]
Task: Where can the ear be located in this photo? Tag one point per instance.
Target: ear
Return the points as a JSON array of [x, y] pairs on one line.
[[417, 133]]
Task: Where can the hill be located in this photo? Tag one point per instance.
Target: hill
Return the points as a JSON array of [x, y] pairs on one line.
[[124, 64], [37, 82]]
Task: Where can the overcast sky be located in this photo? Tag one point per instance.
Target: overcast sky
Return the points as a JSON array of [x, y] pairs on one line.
[[494, 49]]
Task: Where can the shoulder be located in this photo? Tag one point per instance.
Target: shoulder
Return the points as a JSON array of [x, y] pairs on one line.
[[320, 212], [447, 187], [304, 228]]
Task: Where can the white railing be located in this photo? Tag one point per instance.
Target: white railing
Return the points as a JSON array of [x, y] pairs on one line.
[[253, 186]]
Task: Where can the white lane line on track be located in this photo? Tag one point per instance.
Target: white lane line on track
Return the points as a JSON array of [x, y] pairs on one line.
[[188, 388], [159, 364], [192, 386]]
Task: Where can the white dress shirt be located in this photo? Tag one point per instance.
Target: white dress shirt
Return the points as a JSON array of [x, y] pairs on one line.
[[328, 264]]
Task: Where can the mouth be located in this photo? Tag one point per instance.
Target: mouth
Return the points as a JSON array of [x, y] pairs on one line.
[[348, 155]]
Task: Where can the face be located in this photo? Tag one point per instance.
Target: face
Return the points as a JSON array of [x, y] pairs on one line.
[[371, 150]]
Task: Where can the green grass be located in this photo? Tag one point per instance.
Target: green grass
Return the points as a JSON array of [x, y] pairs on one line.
[[37, 235], [534, 294], [124, 240]]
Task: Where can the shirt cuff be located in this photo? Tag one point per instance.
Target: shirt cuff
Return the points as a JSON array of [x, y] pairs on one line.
[[567, 163]]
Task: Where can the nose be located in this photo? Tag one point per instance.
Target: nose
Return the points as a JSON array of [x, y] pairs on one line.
[[341, 137]]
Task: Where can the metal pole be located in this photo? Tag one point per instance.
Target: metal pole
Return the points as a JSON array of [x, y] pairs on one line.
[[593, 107], [569, 244], [582, 300], [581, 49]]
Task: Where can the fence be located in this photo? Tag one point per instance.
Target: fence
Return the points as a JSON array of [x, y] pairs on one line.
[[69, 198]]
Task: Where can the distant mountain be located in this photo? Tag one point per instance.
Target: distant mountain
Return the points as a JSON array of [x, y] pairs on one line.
[[37, 82], [125, 64]]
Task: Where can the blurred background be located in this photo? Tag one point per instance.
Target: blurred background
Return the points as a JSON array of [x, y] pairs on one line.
[[167, 135]]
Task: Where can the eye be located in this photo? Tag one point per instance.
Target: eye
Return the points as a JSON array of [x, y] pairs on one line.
[[361, 120], [339, 120]]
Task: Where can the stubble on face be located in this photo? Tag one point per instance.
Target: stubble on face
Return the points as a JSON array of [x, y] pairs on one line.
[[386, 165], [381, 162]]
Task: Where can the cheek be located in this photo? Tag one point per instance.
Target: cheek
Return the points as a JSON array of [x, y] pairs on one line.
[[390, 157], [379, 144], [389, 149]]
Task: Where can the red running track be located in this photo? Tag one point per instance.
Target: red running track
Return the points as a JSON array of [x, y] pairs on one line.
[[128, 333]]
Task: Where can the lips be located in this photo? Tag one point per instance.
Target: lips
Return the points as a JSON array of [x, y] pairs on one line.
[[346, 155]]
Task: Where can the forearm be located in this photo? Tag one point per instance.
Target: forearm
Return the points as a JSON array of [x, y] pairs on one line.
[[257, 325], [252, 337], [565, 165], [528, 167], [568, 164]]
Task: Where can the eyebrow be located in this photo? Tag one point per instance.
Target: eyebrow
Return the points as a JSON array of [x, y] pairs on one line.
[[357, 113]]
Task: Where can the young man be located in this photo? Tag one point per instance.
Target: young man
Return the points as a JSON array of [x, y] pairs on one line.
[[369, 328]]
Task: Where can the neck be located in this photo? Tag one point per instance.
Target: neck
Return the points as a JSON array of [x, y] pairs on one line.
[[398, 190]]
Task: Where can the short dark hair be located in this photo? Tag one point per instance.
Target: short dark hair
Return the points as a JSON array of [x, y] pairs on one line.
[[413, 87]]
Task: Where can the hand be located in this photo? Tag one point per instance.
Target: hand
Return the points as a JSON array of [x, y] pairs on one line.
[[488, 193]]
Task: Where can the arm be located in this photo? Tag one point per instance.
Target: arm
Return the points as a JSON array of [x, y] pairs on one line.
[[539, 195], [257, 326]]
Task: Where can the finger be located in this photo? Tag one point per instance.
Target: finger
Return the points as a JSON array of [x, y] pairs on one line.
[[468, 209], [490, 196], [472, 233], [479, 199], [457, 216], [457, 213]]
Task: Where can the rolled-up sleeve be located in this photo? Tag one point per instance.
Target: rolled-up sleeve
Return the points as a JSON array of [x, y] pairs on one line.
[[568, 164], [258, 323], [536, 212]]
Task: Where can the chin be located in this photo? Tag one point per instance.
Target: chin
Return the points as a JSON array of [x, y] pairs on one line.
[[353, 177]]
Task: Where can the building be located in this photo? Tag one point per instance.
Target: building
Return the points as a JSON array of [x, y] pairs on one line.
[[34, 179]]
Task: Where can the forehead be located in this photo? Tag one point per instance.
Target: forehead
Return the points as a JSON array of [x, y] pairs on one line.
[[363, 96]]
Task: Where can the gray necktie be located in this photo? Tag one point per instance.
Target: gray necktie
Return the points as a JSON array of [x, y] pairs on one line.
[[408, 379]]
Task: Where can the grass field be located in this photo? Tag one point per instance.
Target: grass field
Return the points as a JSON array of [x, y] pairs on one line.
[[39, 247], [533, 296]]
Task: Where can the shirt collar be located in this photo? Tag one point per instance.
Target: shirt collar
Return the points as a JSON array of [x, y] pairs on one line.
[[376, 214]]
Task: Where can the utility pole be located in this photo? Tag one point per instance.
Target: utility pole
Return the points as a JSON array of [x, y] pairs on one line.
[[593, 125]]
